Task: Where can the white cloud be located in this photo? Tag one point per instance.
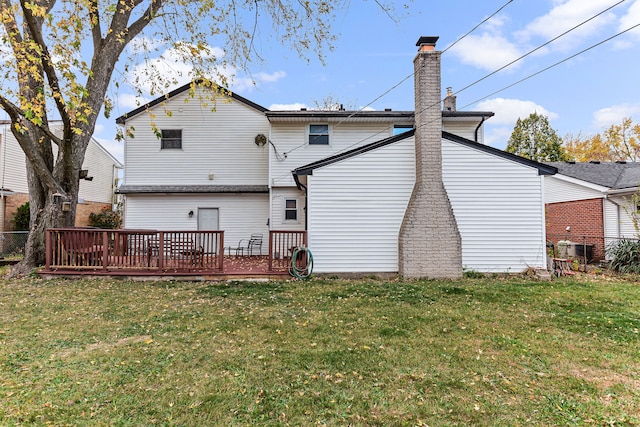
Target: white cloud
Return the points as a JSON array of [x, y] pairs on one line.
[[631, 18], [508, 111], [128, 101], [172, 65], [565, 15], [487, 51], [247, 84], [287, 107], [606, 117], [497, 137]]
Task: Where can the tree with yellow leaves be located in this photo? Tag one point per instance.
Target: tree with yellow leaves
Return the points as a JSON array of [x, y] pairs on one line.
[[618, 142], [59, 58]]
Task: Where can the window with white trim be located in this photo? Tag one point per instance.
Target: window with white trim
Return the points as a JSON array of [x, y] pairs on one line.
[[318, 134], [291, 209], [171, 139]]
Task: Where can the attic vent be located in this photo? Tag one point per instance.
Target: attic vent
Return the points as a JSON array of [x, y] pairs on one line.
[[595, 162], [261, 139], [621, 162]]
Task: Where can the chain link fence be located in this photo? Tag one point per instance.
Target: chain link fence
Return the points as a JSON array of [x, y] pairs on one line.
[[12, 243]]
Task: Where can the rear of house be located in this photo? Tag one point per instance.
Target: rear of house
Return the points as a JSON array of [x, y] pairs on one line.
[[356, 203]]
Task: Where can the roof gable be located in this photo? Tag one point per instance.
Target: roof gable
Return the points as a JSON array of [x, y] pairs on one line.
[[308, 169], [122, 119]]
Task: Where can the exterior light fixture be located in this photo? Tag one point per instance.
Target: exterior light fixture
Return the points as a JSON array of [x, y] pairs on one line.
[[190, 214]]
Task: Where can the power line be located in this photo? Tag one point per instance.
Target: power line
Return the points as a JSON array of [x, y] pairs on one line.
[[406, 78], [554, 65], [537, 48], [477, 26]]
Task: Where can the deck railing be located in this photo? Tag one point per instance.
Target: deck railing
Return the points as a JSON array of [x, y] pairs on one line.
[[134, 250], [281, 246]]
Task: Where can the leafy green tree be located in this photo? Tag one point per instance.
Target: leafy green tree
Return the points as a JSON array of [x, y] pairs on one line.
[[59, 58], [535, 139]]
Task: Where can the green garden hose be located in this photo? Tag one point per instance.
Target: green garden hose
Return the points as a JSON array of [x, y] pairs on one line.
[[301, 263]]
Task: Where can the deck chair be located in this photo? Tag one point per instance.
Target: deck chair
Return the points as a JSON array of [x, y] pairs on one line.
[[251, 245]]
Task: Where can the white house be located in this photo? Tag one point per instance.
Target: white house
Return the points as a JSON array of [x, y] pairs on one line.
[[344, 176], [94, 195], [592, 203]]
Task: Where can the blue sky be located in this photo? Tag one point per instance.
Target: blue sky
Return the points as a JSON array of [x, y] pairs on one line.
[[374, 53]]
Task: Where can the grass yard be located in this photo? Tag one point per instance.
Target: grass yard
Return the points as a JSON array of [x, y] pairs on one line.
[[482, 351]]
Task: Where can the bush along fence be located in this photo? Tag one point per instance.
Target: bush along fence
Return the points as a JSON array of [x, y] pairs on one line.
[[12, 243]]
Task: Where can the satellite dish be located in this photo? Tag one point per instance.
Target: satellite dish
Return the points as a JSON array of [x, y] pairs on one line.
[[261, 139]]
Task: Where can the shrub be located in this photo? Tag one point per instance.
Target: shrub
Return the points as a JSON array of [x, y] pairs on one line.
[[106, 218], [625, 256], [22, 218]]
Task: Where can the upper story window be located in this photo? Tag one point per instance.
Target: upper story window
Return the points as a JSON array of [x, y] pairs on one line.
[[318, 134], [171, 138], [398, 129]]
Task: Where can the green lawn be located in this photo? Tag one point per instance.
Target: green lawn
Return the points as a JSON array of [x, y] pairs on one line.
[[483, 351]]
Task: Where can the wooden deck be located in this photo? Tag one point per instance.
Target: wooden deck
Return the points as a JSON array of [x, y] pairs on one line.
[[148, 253]]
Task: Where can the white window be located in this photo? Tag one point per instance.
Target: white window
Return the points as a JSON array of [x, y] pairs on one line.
[[318, 134], [171, 139], [291, 209]]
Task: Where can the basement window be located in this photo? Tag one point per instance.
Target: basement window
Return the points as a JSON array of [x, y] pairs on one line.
[[291, 210], [171, 139], [318, 134]]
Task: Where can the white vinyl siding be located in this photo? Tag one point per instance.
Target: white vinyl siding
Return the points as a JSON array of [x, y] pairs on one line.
[[279, 196], [291, 138], [560, 190], [101, 167], [240, 215], [625, 210], [464, 129], [356, 208], [499, 208], [216, 144]]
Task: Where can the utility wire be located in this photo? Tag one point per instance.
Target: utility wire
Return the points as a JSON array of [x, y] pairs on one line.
[[477, 26], [407, 77], [554, 65], [522, 80], [537, 48]]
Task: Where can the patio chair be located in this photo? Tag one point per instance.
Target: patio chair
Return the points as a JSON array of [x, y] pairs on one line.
[[254, 243]]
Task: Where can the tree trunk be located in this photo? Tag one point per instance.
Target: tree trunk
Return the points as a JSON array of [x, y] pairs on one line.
[[46, 211]]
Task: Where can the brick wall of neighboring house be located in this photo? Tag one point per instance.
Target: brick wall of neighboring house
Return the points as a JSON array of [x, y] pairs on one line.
[[13, 202], [585, 217]]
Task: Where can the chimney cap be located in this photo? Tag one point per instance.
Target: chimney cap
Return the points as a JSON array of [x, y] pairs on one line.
[[427, 40]]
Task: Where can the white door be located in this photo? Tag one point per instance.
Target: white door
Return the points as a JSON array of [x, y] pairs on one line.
[[208, 219]]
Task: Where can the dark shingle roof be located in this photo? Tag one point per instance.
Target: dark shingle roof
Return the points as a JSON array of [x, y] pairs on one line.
[[612, 175]]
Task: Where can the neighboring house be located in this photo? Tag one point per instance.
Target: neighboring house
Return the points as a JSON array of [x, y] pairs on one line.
[[94, 195], [344, 176], [592, 201]]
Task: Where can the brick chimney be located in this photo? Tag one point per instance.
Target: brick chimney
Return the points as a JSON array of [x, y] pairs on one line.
[[429, 244]]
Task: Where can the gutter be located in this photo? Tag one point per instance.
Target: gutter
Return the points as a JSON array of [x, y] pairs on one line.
[[475, 136]]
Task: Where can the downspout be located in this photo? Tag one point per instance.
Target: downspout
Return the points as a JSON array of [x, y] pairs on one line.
[[478, 128], [302, 187]]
